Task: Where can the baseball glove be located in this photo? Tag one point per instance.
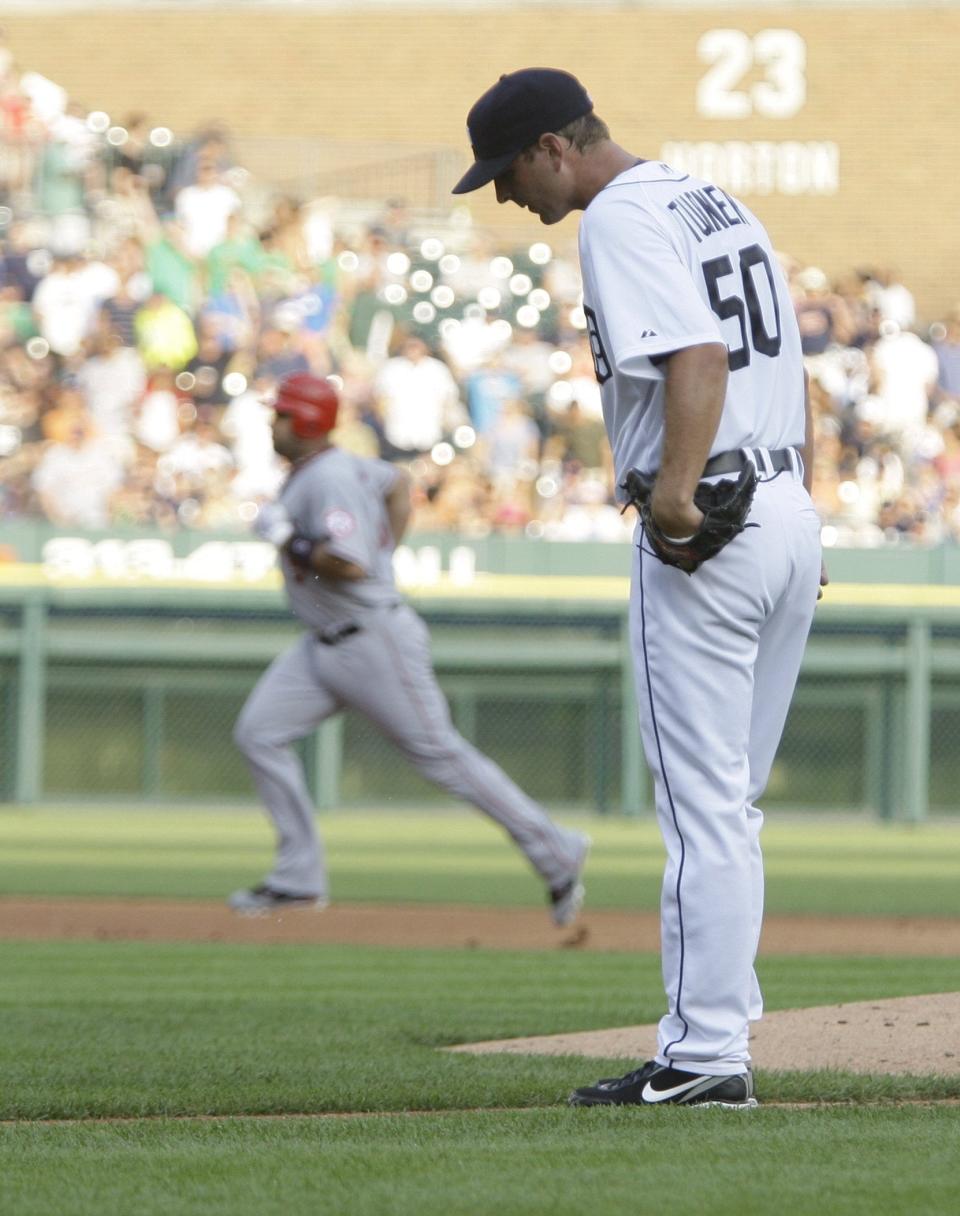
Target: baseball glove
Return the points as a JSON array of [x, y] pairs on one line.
[[725, 506]]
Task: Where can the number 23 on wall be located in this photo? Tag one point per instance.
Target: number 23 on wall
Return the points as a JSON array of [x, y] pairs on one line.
[[780, 54]]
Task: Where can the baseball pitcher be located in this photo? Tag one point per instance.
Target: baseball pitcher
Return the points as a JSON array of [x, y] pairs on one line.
[[697, 352]]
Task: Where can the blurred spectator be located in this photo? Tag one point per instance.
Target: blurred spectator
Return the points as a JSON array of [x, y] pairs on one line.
[[233, 313], [512, 450], [135, 155], [285, 234], [196, 454], [905, 370], [18, 134], [822, 314], [137, 502], [528, 356], [76, 478], [128, 209], [240, 247], [418, 400], [20, 429], [862, 314], [66, 175], [279, 354], [172, 269], [24, 260], [157, 424], [204, 208], [165, 334], [17, 323], [148, 303], [112, 379], [579, 440], [946, 344], [67, 301], [396, 222], [318, 230], [369, 318], [207, 368], [457, 500], [211, 143], [487, 389], [118, 312], [246, 426], [63, 410], [892, 300], [583, 384]]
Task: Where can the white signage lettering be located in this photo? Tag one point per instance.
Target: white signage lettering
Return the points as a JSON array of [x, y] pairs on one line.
[[222, 561], [760, 167], [782, 91]]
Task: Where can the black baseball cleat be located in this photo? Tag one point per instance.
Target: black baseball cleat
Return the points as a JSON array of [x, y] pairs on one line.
[[656, 1084]]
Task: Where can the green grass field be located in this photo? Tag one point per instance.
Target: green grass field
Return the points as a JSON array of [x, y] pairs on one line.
[[818, 865], [162, 1036]]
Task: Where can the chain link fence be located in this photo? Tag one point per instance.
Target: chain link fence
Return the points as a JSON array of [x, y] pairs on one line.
[[102, 701]]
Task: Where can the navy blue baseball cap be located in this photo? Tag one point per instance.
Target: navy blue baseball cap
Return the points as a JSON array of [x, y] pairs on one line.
[[513, 114]]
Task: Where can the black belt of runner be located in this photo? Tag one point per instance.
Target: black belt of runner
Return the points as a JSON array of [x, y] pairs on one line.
[[735, 462], [333, 637]]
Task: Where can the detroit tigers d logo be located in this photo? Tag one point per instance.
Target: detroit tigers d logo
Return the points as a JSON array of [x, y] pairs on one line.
[[601, 364]]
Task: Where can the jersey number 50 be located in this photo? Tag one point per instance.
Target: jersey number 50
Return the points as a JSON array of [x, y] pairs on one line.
[[746, 306]]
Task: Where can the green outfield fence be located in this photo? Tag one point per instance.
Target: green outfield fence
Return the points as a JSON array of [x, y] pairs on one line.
[[115, 692]]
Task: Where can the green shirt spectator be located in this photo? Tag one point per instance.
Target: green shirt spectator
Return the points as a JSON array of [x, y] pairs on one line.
[[17, 321], [59, 185], [172, 271], [241, 249]]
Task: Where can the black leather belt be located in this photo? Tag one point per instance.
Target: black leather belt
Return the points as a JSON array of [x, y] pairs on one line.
[[333, 637], [781, 459]]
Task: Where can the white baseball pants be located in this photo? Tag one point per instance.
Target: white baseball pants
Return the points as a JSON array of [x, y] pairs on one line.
[[717, 655]]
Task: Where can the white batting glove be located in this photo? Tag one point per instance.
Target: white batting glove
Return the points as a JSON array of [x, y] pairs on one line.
[[273, 524]]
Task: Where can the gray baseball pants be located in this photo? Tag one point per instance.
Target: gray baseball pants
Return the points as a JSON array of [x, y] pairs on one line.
[[385, 672]]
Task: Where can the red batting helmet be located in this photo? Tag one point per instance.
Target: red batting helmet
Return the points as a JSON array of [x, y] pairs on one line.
[[311, 402]]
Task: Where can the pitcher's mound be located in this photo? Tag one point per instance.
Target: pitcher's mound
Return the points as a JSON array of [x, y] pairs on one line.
[[919, 1035]]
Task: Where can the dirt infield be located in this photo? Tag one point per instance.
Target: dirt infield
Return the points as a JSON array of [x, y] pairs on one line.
[[452, 926]]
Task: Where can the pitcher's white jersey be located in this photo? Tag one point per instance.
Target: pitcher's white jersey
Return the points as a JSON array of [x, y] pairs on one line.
[[670, 261]]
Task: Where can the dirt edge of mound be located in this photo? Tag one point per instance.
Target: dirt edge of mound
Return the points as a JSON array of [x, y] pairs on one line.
[[912, 1035]]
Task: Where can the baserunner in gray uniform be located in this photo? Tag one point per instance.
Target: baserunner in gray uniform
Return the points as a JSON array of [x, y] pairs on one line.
[[336, 523]]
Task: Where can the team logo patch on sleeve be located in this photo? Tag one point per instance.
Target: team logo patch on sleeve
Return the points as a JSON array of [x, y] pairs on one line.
[[339, 523]]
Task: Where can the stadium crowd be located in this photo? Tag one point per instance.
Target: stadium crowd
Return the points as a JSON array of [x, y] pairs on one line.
[[151, 295]]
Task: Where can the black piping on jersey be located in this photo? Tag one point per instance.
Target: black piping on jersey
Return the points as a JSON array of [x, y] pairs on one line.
[[673, 809]]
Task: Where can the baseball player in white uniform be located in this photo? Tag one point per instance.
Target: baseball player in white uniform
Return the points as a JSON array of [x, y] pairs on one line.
[[697, 352], [336, 523]]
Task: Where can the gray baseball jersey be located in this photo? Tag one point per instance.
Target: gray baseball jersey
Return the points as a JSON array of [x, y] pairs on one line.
[[339, 495]]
